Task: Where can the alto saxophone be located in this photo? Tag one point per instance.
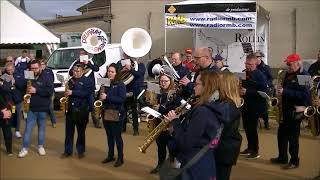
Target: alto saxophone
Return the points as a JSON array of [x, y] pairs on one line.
[[27, 97], [312, 112], [277, 101], [64, 100], [163, 125], [98, 104]]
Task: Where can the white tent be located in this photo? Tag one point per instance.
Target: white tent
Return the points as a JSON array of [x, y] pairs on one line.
[[17, 27], [231, 28]]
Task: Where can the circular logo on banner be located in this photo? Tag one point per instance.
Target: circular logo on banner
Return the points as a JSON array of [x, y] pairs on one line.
[[94, 40]]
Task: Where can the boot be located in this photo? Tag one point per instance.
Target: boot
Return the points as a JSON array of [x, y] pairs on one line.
[[119, 162], [108, 159]]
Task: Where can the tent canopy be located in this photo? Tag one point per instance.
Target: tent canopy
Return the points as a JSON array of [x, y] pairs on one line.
[[17, 27]]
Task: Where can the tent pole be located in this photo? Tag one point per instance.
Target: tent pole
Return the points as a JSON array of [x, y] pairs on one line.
[[165, 41]]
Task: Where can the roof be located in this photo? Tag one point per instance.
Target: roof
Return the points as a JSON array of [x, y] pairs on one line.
[[17, 27], [95, 4], [105, 17]]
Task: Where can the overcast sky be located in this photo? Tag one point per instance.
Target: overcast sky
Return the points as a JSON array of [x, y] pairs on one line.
[[47, 9]]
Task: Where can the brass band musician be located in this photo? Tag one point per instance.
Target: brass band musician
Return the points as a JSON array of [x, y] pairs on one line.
[[295, 98]]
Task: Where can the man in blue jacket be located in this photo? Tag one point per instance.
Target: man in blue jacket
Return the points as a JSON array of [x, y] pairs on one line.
[[266, 70], [295, 98], [134, 88], [177, 65], [41, 91], [253, 106]]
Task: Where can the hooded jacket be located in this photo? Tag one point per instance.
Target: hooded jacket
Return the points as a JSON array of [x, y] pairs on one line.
[[230, 141]]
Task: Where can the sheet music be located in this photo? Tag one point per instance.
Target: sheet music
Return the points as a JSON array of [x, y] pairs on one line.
[[60, 78], [305, 80], [153, 87], [84, 58], [7, 78], [28, 74], [103, 82], [151, 111], [240, 75], [125, 62]]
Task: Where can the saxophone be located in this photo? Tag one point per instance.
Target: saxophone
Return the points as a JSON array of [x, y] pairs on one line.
[[162, 126], [64, 100], [27, 97], [276, 102], [98, 104], [312, 112]]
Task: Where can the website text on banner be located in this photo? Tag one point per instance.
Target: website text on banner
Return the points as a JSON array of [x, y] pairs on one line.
[[244, 20]]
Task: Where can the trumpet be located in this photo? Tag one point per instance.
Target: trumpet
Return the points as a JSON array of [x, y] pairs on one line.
[[98, 105], [27, 97], [64, 100], [162, 126]]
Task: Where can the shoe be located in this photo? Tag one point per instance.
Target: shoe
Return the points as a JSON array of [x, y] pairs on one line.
[[23, 153], [81, 155], [108, 159], [41, 151], [65, 155], [290, 166], [118, 163], [9, 154], [17, 134], [253, 155], [246, 152], [136, 133], [278, 161], [155, 170], [54, 125]]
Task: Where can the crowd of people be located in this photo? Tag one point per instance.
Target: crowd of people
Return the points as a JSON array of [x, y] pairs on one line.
[[219, 99]]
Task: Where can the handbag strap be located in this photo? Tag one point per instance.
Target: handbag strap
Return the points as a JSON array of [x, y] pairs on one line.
[[212, 145]]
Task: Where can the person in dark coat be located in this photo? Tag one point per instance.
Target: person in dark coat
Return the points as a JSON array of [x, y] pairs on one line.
[[113, 98], [77, 113], [254, 105], [295, 98], [134, 88], [228, 105], [49, 73], [314, 69], [203, 60], [41, 90], [176, 62], [89, 69], [6, 108], [167, 101], [219, 60], [197, 129], [266, 70]]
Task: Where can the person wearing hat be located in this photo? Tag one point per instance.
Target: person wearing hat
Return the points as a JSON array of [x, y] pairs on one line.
[[188, 62], [266, 70], [314, 69], [295, 98], [220, 64]]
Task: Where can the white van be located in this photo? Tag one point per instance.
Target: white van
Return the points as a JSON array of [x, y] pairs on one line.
[[62, 58]]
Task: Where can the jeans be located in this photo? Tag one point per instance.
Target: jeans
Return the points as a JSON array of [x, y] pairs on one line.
[[17, 117], [51, 112], [32, 119]]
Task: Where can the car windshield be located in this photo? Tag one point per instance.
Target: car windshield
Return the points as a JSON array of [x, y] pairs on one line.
[[62, 59]]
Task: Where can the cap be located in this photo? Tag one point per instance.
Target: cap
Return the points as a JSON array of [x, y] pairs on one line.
[[292, 58], [188, 51], [218, 57]]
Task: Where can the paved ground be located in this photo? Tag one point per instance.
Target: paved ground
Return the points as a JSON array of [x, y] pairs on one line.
[[138, 165]]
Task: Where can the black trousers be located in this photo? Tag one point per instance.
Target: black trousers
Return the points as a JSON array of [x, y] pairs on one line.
[[264, 115], [162, 142], [223, 171], [7, 134], [113, 131], [288, 134], [250, 124], [131, 103]]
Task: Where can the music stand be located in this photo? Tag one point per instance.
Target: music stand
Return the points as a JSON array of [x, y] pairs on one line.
[[247, 48]]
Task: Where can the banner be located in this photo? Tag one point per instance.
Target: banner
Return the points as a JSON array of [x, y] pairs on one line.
[[211, 15]]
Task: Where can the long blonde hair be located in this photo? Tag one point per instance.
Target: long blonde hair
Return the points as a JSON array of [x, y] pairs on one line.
[[229, 88], [171, 86], [210, 83]]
